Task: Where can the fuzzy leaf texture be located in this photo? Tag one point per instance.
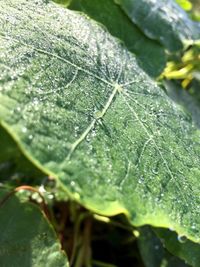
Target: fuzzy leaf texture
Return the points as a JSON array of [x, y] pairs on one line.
[[150, 54], [80, 108]]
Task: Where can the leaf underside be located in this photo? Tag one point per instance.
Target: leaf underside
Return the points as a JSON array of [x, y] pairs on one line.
[[80, 108]]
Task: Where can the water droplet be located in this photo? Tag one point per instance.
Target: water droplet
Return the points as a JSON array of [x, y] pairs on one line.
[[88, 138], [72, 183], [76, 130], [42, 189], [141, 180], [50, 196], [24, 130], [93, 133], [182, 238], [193, 227], [154, 171]]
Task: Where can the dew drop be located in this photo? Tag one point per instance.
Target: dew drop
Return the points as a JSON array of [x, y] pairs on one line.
[[193, 227], [72, 183], [141, 180], [88, 138], [24, 130], [182, 238], [50, 196], [154, 171]]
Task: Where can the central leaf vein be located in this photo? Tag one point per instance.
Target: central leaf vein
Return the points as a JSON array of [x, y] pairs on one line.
[[94, 121]]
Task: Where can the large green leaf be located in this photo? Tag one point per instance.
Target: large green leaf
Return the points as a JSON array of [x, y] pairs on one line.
[[164, 21], [150, 55], [27, 239], [81, 109]]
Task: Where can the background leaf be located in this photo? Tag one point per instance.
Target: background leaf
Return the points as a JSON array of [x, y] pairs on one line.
[[27, 239], [152, 251], [182, 97], [180, 246], [185, 4], [164, 21], [15, 168]]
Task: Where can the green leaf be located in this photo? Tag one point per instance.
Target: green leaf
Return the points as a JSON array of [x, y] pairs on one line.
[[150, 55], [152, 251], [15, 168], [182, 97], [195, 13], [185, 4], [164, 21], [97, 122], [180, 246], [27, 239]]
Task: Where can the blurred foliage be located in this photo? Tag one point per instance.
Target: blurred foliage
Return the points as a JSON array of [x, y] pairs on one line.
[[195, 11], [185, 68], [185, 4], [192, 7]]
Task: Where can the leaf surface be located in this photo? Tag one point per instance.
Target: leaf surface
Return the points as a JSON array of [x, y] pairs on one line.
[[80, 108], [27, 239], [150, 54], [164, 21]]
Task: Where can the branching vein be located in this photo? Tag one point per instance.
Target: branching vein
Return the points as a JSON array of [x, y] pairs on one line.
[[92, 124]]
